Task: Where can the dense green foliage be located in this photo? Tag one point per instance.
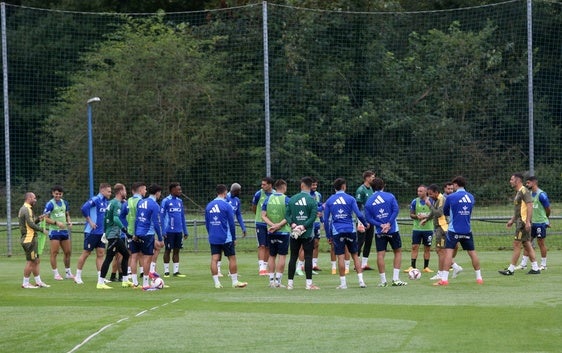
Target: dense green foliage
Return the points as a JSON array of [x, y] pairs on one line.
[[419, 97]]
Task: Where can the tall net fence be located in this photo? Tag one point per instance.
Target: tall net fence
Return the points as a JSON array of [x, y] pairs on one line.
[[417, 97]]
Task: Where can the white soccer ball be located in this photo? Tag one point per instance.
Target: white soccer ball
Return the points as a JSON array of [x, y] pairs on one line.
[[157, 283], [414, 274]]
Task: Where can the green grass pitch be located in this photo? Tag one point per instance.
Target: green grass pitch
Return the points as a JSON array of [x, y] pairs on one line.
[[506, 314]]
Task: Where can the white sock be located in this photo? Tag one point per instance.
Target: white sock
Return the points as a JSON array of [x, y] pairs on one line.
[[166, 267], [524, 260], [300, 265], [534, 265], [383, 277], [25, 280], [543, 261], [68, 271], [314, 262], [38, 279], [308, 282], [364, 261], [145, 280], [216, 279], [135, 279], [219, 266], [333, 265], [360, 277], [78, 274], [56, 272], [176, 267], [343, 282], [100, 280], [278, 276], [455, 266], [153, 267], [396, 274], [234, 277], [478, 274], [125, 278], [346, 262]]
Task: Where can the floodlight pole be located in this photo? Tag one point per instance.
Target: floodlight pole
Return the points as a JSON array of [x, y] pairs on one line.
[[91, 145], [530, 87]]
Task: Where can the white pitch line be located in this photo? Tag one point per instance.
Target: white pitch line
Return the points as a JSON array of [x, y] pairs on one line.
[[90, 337], [117, 322], [142, 312]]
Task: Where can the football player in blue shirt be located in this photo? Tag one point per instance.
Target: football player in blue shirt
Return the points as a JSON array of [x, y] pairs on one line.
[[381, 210], [219, 221], [340, 229], [234, 201], [147, 226], [94, 212], [174, 227], [261, 226], [458, 207]]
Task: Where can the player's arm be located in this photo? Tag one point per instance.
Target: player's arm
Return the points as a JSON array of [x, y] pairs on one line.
[[47, 214], [447, 207], [266, 219], [543, 198], [289, 215], [326, 219], [240, 219], [393, 215], [231, 224], [85, 209], [413, 214], [255, 201], [184, 223], [436, 209], [529, 214], [30, 223], [68, 219], [155, 219], [360, 215]]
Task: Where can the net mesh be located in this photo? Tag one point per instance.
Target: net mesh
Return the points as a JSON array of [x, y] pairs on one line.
[[419, 97]]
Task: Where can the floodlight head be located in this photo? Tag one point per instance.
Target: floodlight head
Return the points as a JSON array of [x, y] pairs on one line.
[[93, 99]]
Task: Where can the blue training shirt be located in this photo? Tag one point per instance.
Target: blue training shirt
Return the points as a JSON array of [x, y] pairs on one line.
[[173, 216], [338, 214], [95, 208], [148, 218], [234, 201], [458, 207], [380, 208], [219, 221]]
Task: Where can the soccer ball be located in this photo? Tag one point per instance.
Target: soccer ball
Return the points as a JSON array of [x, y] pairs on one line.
[[157, 283], [414, 274]]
